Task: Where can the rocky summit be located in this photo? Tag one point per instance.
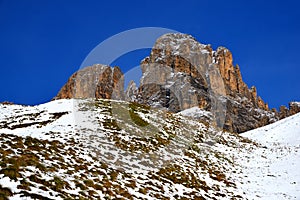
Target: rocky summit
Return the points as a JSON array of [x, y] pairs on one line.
[[181, 73]]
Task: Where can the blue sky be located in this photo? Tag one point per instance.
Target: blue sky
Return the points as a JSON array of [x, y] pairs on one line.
[[43, 42]]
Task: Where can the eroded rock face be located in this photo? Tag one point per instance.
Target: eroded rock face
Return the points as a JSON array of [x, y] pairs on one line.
[[174, 74], [97, 81], [181, 73], [235, 86]]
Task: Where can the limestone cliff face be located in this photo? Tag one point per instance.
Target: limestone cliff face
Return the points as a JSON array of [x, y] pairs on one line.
[[181, 73], [208, 76], [97, 81], [174, 74], [235, 86]]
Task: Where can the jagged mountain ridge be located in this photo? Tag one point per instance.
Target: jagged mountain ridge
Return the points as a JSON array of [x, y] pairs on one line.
[[175, 78]]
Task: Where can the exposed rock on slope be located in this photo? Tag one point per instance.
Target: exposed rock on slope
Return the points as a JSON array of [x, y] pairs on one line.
[[294, 107]]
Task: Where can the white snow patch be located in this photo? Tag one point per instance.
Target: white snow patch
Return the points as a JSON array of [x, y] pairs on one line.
[[195, 112]]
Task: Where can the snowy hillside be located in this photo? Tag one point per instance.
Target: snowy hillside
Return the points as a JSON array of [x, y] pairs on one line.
[[284, 131], [104, 149], [273, 172]]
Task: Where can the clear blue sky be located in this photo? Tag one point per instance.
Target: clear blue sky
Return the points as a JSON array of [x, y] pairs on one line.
[[43, 42]]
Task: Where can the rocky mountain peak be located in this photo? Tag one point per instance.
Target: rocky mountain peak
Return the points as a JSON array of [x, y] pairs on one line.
[[181, 73], [208, 74], [178, 43]]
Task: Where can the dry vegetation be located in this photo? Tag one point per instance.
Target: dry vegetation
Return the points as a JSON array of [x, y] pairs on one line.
[[55, 168]]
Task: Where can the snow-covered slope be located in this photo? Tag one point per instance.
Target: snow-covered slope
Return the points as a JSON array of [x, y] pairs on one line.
[[37, 121], [285, 131], [273, 172], [104, 149]]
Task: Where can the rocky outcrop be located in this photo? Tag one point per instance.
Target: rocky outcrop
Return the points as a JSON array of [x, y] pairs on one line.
[[181, 73], [174, 74], [131, 91], [7, 103], [294, 107], [235, 86], [97, 81]]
